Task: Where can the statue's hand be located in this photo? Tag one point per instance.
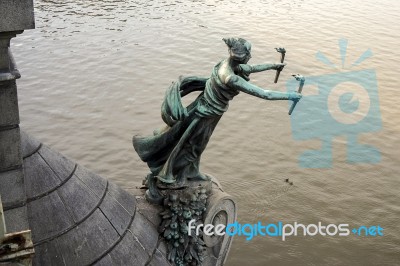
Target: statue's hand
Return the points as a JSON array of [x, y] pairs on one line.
[[279, 66], [294, 96]]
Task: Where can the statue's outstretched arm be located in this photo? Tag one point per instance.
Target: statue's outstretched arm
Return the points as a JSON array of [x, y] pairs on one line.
[[242, 85], [248, 69]]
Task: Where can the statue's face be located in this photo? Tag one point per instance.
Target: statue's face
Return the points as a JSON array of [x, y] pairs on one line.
[[247, 58], [240, 49], [248, 47]]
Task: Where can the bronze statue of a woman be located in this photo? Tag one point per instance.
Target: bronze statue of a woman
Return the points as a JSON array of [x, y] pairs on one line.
[[173, 154]]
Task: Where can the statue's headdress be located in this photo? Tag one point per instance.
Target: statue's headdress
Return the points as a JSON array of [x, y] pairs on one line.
[[238, 48]]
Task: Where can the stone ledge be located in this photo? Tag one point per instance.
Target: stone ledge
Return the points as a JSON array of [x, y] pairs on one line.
[[8, 104], [10, 149], [16, 15]]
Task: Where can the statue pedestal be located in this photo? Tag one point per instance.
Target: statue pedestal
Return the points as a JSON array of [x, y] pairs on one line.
[[221, 209], [198, 202]]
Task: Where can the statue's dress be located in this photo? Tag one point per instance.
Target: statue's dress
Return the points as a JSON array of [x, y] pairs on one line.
[[174, 154]]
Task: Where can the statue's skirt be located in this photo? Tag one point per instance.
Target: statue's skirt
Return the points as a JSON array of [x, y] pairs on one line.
[[173, 154]]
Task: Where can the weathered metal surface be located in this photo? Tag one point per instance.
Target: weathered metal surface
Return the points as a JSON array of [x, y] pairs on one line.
[[48, 216], [130, 251], [149, 211], [35, 171], [118, 216], [48, 253], [79, 218], [124, 198], [89, 241], [57, 162], [105, 261], [78, 198], [144, 231], [159, 259], [96, 183]]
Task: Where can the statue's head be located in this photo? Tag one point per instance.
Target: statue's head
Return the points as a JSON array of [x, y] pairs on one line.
[[239, 49]]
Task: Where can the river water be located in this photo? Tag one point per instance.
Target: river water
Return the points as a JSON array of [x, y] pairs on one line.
[[94, 74]]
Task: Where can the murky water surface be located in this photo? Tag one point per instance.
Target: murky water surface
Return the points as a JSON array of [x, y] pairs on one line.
[[94, 74]]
